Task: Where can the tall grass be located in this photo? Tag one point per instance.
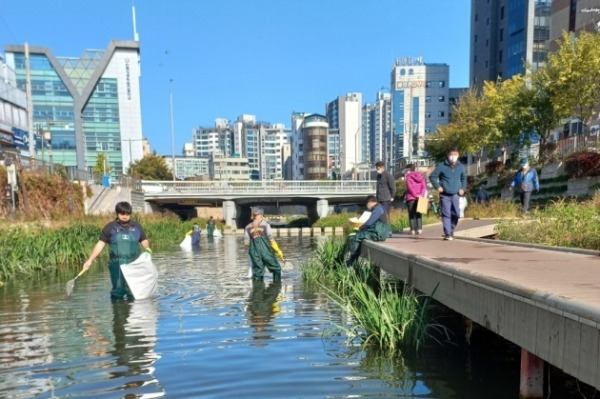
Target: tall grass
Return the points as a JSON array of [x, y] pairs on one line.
[[561, 223], [33, 247], [385, 313], [495, 209]]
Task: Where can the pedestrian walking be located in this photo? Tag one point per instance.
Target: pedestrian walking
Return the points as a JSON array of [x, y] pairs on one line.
[[416, 186], [450, 180], [525, 181], [124, 238], [386, 187]]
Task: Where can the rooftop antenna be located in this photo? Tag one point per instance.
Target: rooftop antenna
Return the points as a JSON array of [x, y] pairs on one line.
[[136, 37]]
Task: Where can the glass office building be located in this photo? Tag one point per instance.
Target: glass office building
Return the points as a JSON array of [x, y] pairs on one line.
[[90, 105]]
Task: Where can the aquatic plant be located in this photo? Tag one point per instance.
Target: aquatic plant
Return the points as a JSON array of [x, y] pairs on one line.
[[384, 312], [36, 247]]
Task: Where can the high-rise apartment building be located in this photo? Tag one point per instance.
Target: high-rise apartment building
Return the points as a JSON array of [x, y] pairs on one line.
[[275, 139], [213, 140], [379, 127], [419, 97], [315, 135], [90, 105], [506, 35], [333, 151], [297, 143], [345, 114]]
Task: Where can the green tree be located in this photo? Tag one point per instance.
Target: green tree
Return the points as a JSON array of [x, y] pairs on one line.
[[101, 167], [152, 167], [573, 75]]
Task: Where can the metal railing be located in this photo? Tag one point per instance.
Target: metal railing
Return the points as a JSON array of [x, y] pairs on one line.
[[257, 187], [567, 146]]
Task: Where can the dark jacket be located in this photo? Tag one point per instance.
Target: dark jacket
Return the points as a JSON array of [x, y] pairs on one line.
[[386, 187], [451, 178]]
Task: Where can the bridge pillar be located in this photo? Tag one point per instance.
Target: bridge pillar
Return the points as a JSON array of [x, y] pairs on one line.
[[532, 376], [230, 213], [317, 210], [322, 208]]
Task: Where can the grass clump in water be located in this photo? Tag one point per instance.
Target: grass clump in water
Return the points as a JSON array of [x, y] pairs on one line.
[[384, 312]]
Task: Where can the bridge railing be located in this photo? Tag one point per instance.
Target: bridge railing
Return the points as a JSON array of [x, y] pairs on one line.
[[256, 187]]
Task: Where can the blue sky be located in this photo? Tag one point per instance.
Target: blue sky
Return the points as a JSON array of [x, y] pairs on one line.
[[233, 57]]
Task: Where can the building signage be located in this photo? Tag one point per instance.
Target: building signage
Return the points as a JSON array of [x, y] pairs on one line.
[[414, 84], [21, 138], [128, 78], [6, 138]]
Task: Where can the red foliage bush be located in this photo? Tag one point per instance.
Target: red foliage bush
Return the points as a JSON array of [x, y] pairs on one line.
[[583, 164]]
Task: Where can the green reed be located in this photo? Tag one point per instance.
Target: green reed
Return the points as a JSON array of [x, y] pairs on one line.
[[34, 247], [384, 312]]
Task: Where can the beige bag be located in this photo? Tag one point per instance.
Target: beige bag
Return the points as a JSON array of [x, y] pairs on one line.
[[422, 205]]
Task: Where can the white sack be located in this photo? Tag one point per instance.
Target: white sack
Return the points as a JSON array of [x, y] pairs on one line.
[[186, 244], [141, 276], [217, 234]]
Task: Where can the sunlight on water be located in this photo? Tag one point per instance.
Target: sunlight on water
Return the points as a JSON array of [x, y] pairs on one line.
[[210, 333]]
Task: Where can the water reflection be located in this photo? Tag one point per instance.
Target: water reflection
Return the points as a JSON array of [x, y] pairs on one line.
[[134, 329], [263, 305]]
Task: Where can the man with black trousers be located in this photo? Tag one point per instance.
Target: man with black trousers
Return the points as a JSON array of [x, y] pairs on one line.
[[386, 187]]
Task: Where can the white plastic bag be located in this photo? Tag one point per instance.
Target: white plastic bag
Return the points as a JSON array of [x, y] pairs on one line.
[[217, 234], [186, 244], [141, 276]]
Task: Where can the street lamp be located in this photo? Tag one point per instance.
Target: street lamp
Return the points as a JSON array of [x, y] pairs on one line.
[[172, 126]]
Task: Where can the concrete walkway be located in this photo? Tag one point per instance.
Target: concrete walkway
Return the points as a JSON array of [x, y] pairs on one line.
[[547, 302]]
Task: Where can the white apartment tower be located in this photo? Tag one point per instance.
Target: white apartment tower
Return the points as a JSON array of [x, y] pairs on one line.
[[345, 114]]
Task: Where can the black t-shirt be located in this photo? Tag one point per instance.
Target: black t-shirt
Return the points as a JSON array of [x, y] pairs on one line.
[[109, 232]]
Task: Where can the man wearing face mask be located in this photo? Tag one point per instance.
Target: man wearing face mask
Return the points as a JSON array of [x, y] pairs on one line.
[[376, 228], [525, 180], [450, 180], [386, 187]]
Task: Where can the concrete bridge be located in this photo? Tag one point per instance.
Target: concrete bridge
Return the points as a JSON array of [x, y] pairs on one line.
[[236, 197], [546, 301]]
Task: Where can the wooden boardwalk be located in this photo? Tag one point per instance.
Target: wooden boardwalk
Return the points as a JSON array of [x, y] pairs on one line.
[[545, 301]]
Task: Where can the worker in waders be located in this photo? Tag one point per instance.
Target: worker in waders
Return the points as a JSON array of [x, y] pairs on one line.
[[262, 247], [376, 228], [210, 227], [124, 238]]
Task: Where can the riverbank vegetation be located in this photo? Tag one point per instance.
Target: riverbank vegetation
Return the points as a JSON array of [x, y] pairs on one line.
[[562, 223], [385, 313], [33, 247], [398, 220]]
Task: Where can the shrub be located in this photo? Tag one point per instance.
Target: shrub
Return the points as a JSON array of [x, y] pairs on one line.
[[494, 167], [561, 223], [495, 209], [583, 164]]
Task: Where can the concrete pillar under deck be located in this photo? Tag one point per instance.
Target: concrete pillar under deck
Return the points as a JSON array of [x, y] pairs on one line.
[[532, 376], [322, 208], [230, 213]]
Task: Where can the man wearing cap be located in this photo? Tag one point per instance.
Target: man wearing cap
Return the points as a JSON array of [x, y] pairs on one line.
[[525, 181], [376, 228], [262, 248]]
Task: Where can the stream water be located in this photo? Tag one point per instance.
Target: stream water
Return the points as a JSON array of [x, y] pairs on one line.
[[211, 333]]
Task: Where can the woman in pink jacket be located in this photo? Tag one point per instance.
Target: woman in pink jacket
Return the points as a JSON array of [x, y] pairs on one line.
[[416, 187]]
